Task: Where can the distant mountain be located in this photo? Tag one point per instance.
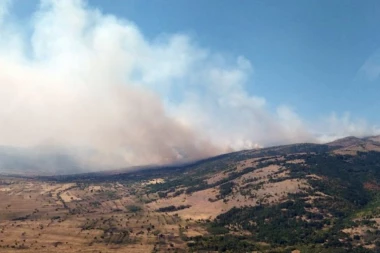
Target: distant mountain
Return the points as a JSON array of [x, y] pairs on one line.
[[352, 145], [347, 141], [32, 162]]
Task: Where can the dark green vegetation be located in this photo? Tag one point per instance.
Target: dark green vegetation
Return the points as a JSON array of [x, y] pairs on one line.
[[134, 208], [311, 224], [172, 208]]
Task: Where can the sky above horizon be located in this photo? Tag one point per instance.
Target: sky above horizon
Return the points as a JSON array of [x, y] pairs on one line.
[[319, 50], [225, 76]]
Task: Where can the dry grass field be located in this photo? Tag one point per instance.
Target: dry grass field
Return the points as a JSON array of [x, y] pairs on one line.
[[46, 216], [51, 217]]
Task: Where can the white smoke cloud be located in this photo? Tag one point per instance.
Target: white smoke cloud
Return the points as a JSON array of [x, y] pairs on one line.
[[338, 126], [89, 81]]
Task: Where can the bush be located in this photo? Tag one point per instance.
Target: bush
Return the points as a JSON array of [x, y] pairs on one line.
[[215, 230], [134, 208]]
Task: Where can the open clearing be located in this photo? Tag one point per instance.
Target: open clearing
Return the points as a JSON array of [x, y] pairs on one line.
[[51, 217]]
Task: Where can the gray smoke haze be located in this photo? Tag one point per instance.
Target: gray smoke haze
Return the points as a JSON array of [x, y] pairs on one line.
[[90, 85]]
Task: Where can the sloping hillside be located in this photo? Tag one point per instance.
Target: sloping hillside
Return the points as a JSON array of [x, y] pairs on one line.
[[299, 196], [306, 197]]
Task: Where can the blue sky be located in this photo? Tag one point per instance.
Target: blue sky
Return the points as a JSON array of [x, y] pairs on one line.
[[307, 54], [220, 75]]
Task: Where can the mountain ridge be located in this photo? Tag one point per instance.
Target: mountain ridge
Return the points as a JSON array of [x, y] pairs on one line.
[[15, 161]]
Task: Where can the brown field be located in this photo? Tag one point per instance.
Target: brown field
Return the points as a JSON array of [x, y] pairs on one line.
[[50, 217], [46, 216], [268, 193]]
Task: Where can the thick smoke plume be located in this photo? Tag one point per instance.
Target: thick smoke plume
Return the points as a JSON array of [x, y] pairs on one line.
[[77, 81]]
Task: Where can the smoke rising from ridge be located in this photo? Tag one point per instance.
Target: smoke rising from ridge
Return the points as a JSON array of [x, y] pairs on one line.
[[91, 84]]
